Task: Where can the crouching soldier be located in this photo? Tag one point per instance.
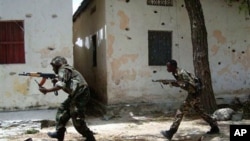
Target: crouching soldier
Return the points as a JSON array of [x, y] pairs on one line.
[[192, 85], [73, 83]]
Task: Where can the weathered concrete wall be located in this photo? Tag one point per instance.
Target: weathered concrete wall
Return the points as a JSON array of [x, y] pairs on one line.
[[129, 77], [229, 49], [91, 23], [48, 32]]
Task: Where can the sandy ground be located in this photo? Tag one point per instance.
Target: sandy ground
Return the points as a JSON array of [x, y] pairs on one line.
[[134, 128]]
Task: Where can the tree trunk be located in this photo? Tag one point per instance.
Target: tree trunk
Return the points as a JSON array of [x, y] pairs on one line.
[[200, 53]]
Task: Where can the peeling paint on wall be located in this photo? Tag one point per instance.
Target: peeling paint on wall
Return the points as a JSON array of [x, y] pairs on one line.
[[220, 38], [144, 73], [128, 73], [124, 20], [239, 91], [242, 58], [21, 87], [224, 70], [214, 49]]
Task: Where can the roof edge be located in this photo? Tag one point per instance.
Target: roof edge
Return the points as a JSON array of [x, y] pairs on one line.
[[81, 8]]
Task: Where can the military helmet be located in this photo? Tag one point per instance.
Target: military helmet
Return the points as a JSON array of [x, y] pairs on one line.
[[58, 61]]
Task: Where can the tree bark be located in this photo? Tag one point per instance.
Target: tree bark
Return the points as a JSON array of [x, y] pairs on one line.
[[200, 53]]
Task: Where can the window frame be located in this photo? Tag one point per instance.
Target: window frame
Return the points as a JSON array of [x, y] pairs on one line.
[[160, 2], [154, 50], [12, 42]]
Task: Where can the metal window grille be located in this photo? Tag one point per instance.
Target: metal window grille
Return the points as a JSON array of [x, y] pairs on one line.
[[12, 42], [159, 47], [160, 2]]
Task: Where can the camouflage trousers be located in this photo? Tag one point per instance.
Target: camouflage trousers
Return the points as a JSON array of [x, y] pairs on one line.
[[74, 107], [192, 102]]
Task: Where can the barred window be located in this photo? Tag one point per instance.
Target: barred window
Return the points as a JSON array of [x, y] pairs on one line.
[[160, 2], [12, 42], [159, 47]]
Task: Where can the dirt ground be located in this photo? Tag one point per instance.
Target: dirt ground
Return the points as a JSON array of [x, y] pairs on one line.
[[136, 128]]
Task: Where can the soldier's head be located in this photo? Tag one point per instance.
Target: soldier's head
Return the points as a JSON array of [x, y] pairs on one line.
[[57, 62], [171, 66]]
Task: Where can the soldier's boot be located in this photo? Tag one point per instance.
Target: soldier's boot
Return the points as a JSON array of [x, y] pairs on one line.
[[58, 134], [168, 133], [90, 136], [214, 130]]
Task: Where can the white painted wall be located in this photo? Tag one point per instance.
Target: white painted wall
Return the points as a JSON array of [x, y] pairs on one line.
[[228, 30], [47, 24]]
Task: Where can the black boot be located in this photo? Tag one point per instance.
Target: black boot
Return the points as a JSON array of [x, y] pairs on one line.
[[168, 134], [90, 136], [59, 134], [214, 130]]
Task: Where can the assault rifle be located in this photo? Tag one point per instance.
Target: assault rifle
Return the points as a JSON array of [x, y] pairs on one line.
[[44, 76], [165, 81]]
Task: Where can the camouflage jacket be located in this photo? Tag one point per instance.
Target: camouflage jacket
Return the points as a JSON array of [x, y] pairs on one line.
[[69, 79], [189, 81]]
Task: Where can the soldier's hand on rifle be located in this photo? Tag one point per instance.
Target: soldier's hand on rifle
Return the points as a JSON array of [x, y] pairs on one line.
[[54, 81], [176, 84], [43, 90]]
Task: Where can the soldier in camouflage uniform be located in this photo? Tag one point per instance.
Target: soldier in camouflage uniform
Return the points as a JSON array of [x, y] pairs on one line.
[[73, 83], [192, 85]]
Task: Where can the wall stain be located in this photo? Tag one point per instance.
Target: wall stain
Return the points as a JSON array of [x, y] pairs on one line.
[[214, 49], [238, 57], [8, 94], [111, 40], [21, 87], [112, 23], [44, 52], [241, 90], [145, 73], [224, 70], [65, 52], [220, 38], [44, 63], [233, 42], [124, 20], [118, 74]]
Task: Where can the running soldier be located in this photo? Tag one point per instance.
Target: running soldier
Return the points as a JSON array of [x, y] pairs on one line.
[[192, 85]]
